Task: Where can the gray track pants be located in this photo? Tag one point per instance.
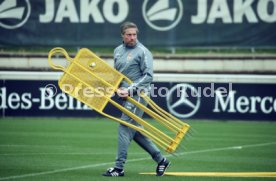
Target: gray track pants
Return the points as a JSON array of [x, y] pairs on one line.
[[126, 135]]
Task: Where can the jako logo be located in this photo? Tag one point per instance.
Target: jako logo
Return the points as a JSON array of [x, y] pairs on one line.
[[13, 13], [162, 15]]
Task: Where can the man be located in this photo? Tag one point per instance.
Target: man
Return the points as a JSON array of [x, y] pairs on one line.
[[136, 62]]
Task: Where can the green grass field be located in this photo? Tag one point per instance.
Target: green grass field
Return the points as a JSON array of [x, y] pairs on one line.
[[82, 149]]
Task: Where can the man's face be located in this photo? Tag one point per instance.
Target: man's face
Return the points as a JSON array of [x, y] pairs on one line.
[[130, 36]]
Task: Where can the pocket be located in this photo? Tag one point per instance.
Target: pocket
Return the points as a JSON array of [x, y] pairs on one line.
[[129, 106]]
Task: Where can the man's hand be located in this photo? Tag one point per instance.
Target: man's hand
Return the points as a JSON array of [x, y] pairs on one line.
[[122, 92]]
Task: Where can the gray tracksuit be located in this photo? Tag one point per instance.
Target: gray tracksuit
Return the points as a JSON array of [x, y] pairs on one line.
[[136, 63]]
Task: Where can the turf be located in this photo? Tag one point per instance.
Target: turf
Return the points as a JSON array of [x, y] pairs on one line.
[[82, 149]]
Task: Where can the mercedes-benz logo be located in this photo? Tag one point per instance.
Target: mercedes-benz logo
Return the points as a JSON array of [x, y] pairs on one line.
[[162, 15], [14, 13], [183, 100]]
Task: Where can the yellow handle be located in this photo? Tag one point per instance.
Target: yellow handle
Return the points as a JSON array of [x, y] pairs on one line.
[[55, 51]]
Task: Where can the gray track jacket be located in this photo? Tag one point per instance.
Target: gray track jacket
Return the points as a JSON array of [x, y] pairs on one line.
[[136, 63]]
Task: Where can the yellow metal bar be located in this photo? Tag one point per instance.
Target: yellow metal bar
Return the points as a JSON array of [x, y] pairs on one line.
[[169, 116], [177, 121], [54, 51], [164, 115], [178, 139], [141, 121], [218, 174], [157, 117], [141, 130]]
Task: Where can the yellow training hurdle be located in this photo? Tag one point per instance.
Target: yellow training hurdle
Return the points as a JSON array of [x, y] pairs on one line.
[[100, 81]]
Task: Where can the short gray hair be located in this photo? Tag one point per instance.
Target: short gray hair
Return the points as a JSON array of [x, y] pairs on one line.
[[127, 25]]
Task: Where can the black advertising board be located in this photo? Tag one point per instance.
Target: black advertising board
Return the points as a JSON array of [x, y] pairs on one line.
[[162, 23], [215, 101]]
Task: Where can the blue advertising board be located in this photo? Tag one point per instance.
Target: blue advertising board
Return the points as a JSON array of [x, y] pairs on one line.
[[216, 101], [162, 23]]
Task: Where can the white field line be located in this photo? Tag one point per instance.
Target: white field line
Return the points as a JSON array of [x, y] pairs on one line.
[[38, 146], [77, 153], [227, 148], [133, 160]]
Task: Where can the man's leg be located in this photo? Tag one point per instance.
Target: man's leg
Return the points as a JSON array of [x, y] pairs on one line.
[[149, 147], [142, 140], [125, 136]]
